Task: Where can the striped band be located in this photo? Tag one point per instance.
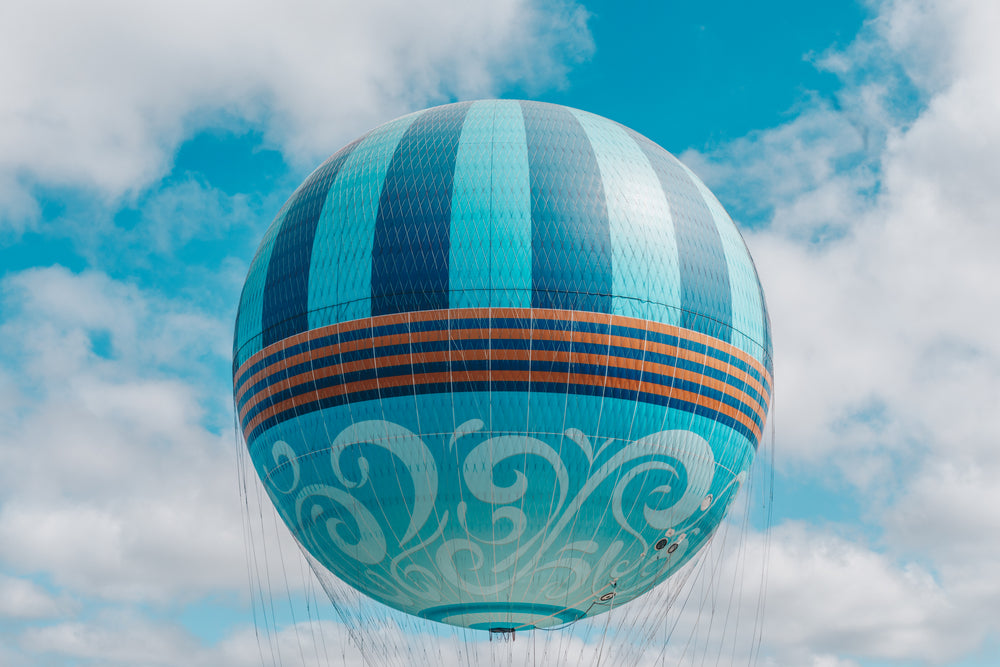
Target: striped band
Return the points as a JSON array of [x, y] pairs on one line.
[[502, 349]]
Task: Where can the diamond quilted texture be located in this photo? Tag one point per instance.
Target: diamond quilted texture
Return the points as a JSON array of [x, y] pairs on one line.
[[340, 271], [645, 272], [411, 242], [475, 309], [748, 310], [247, 340], [571, 243], [706, 298]]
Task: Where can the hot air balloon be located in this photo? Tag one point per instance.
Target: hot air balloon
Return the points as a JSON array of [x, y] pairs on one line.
[[502, 365]]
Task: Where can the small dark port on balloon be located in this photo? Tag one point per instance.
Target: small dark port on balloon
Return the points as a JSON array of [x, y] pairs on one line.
[[662, 543], [606, 597], [673, 548]]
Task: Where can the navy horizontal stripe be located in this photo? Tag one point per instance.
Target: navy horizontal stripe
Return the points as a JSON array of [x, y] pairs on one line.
[[613, 354], [457, 368], [503, 386]]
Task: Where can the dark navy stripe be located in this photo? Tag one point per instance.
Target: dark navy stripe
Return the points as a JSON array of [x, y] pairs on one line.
[[459, 366], [706, 297], [499, 386], [613, 353], [236, 336], [766, 357], [457, 369], [412, 230], [286, 290], [570, 230]]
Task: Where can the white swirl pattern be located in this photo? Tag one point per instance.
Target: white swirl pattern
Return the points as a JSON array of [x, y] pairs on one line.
[[579, 524]]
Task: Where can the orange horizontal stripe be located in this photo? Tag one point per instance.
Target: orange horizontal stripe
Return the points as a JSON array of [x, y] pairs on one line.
[[502, 334], [516, 376], [527, 314], [458, 356]]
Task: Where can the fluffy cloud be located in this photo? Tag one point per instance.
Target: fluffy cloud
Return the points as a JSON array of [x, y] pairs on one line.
[[117, 475], [99, 95], [877, 249], [873, 226], [832, 596], [113, 482], [24, 599]]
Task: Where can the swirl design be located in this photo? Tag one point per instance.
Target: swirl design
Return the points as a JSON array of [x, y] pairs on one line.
[[498, 523]]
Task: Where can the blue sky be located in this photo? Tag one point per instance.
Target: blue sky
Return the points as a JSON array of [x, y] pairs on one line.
[[144, 150]]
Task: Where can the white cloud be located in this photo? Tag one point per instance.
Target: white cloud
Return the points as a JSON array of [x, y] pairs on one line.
[[113, 639], [878, 259], [99, 95], [24, 599], [187, 210], [875, 235], [52, 317], [949, 515], [884, 333], [832, 596], [110, 483]]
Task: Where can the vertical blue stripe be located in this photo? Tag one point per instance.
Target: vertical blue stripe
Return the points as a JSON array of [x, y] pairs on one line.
[[644, 251], [341, 269], [286, 291], [491, 210], [767, 360], [510, 199], [748, 312], [570, 240], [706, 298], [248, 317], [410, 249], [471, 211]]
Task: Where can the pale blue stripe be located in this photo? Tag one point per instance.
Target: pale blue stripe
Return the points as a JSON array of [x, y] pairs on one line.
[[510, 200], [644, 248], [490, 256], [340, 272], [748, 311], [471, 211], [248, 324]]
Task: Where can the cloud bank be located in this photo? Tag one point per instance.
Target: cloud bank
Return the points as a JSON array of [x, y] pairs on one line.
[[870, 215], [105, 92]]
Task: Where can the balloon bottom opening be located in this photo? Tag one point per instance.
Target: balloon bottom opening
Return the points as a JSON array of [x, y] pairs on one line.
[[503, 617]]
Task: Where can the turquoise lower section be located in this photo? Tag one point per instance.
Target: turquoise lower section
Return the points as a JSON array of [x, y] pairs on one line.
[[502, 510]]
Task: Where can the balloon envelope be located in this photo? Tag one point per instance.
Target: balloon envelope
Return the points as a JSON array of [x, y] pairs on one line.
[[502, 364]]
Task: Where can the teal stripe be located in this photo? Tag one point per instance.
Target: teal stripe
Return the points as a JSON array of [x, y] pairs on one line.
[[644, 249], [250, 315], [490, 255], [510, 197], [748, 311], [471, 211], [340, 271]]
